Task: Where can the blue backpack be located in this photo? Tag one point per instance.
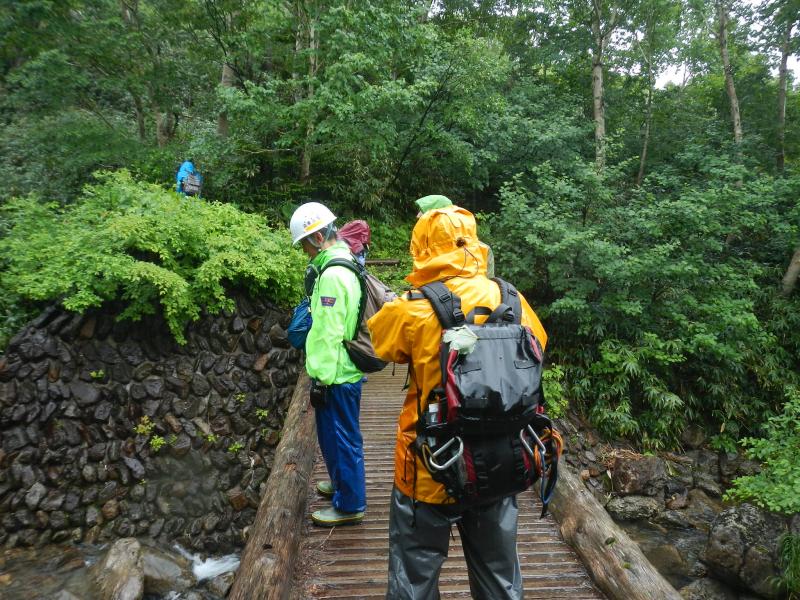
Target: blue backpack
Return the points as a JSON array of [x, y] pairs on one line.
[[300, 324]]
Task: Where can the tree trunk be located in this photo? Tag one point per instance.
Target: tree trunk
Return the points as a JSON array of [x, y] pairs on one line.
[[615, 562], [313, 47], [228, 80], [139, 108], [782, 80], [722, 14], [164, 127], [792, 272], [597, 92], [647, 125], [268, 558]]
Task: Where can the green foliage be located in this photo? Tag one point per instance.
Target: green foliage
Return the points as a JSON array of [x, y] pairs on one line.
[[777, 486], [391, 240], [554, 391], [262, 414], [156, 443], [148, 247], [662, 304], [212, 438], [235, 447], [145, 426], [789, 560]]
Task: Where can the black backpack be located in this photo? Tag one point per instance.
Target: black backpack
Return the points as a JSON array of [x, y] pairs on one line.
[[484, 434], [374, 294], [192, 185]]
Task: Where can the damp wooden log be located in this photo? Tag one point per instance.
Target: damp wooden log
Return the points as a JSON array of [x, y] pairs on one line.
[[267, 562], [614, 561]]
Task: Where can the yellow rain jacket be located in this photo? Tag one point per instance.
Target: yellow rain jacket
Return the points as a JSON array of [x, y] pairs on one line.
[[445, 247]]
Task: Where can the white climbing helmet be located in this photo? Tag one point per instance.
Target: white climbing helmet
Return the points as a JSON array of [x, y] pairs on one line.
[[308, 218]]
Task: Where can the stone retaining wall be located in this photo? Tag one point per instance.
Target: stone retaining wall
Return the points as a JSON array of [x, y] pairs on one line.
[[111, 429]]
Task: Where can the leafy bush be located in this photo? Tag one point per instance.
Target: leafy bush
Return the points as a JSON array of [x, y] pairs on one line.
[[777, 486], [662, 305], [391, 240], [789, 559], [136, 242]]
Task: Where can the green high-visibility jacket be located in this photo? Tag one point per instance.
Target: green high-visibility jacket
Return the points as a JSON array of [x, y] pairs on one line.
[[334, 311]]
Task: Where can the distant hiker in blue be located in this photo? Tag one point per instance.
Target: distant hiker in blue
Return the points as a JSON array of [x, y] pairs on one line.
[[188, 180]]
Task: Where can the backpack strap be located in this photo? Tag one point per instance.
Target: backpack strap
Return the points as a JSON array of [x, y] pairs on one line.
[[510, 297], [362, 282], [503, 312], [445, 303]]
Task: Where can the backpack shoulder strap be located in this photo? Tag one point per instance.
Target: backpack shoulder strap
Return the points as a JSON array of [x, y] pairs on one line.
[[445, 303], [359, 272], [510, 297]]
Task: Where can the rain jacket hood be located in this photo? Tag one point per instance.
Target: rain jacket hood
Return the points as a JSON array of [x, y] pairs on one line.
[[355, 234], [445, 243], [427, 203]]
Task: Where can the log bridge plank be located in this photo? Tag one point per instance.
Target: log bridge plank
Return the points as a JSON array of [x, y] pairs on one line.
[[614, 561], [268, 559]]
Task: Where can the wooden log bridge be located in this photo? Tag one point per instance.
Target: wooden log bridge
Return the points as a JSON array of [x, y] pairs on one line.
[[286, 557]]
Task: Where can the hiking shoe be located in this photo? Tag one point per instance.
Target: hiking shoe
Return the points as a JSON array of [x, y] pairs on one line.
[[325, 488], [330, 517]]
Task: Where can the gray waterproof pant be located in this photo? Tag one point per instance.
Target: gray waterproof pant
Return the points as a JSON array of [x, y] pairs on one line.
[[416, 553]]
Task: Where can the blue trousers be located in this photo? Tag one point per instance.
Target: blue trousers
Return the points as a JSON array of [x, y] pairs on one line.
[[342, 446]]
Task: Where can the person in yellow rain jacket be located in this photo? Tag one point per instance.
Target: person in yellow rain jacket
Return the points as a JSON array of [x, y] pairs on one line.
[[444, 247]]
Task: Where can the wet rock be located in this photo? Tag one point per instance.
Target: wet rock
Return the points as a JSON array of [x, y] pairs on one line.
[[221, 584], [120, 574], [53, 501], [164, 573], [35, 495], [182, 445], [32, 347], [278, 336], [707, 589], [93, 516], [678, 500], [645, 475], [742, 548], [108, 491], [125, 528], [85, 394], [110, 510], [63, 595], [154, 386], [200, 386], [237, 498], [701, 510], [632, 508], [156, 527], [136, 467], [14, 439], [89, 473]]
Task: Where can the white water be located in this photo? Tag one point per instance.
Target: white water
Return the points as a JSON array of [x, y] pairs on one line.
[[210, 567]]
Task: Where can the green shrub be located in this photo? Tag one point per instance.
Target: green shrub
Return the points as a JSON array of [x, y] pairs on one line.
[[789, 559], [148, 247], [391, 240], [554, 391], [777, 486], [663, 306]]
